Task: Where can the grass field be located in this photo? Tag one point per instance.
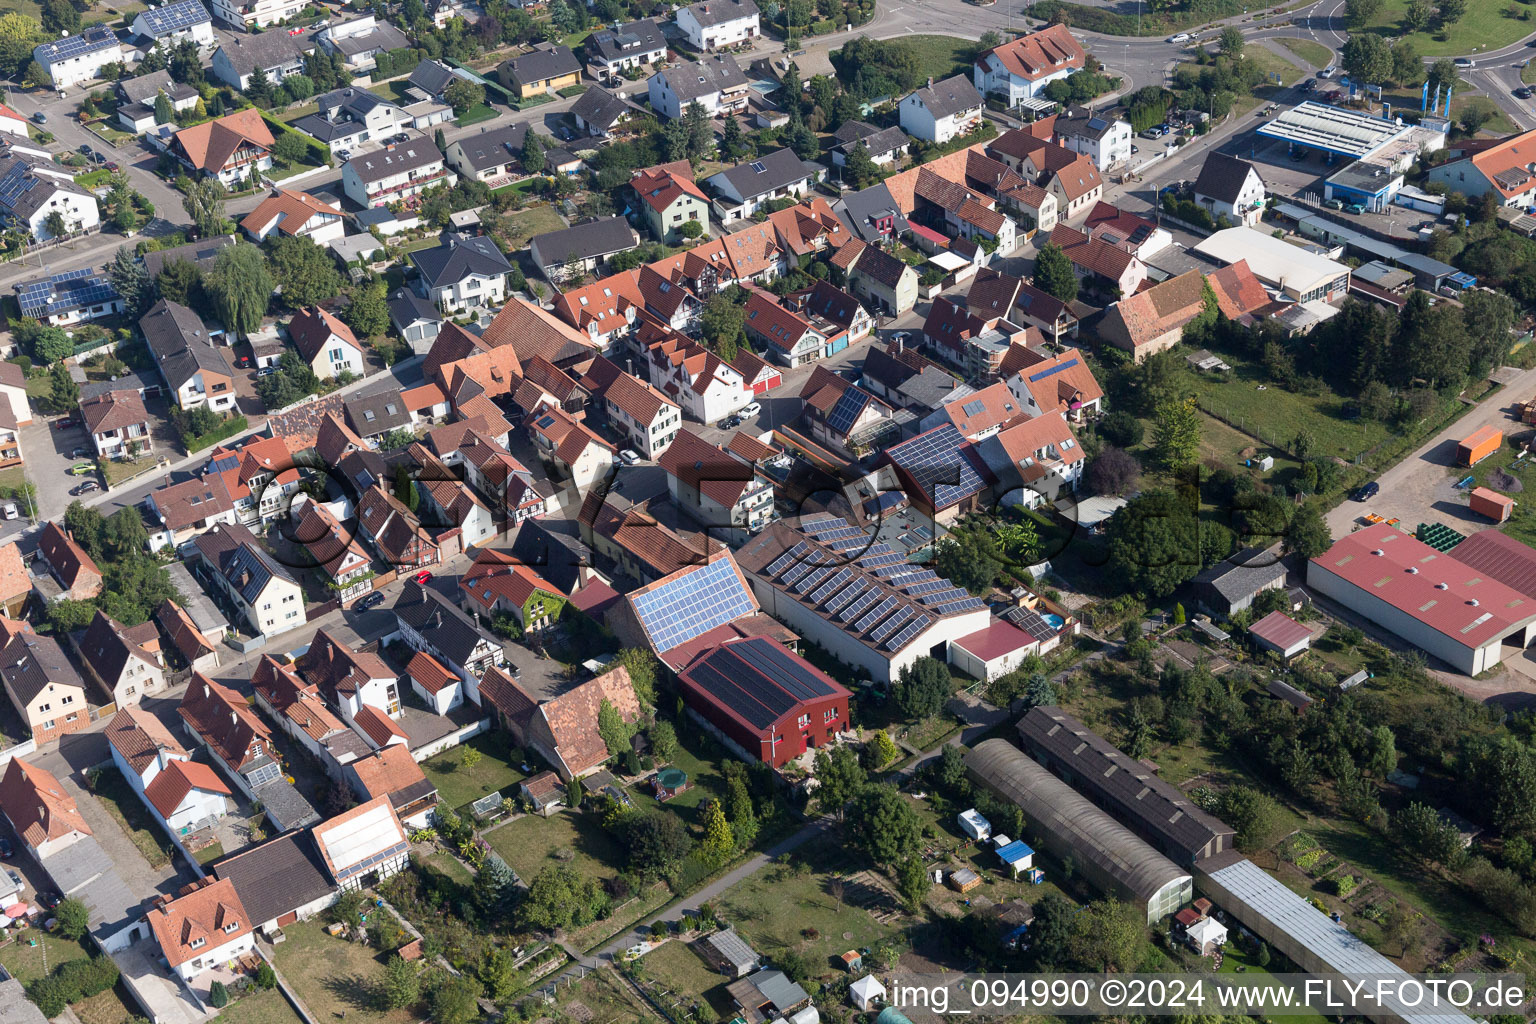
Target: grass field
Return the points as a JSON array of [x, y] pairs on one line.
[[1527, 75], [531, 843], [1497, 120], [1276, 415], [1316, 54], [476, 114], [1522, 523], [1483, 25], [335, 978], [450, 866], [105, 1008], [536, 220], [132, 816], [28, 963], [677, 966], [457, 785], [940, 56], [1271, 63], [1234, 959], [262, 1007]]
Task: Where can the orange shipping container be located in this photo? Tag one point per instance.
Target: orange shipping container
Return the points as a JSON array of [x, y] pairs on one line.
[[1480, 444], [1492, 504]]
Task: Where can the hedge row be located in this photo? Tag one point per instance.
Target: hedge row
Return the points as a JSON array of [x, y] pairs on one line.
[[71, 982]]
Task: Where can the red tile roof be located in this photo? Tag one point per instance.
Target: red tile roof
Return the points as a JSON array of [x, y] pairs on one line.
[[659, 187], [1238, 291], [381, 729], [139, 738], [291, 210], [695, 462], [311, 330], [1164, 307], [429, 673], [168, 789], [1092, 254], [225, 722], [1034, 56], [69, 560], [37, 805], [210, 145], [500, 575], [199, 922], [572, 718]]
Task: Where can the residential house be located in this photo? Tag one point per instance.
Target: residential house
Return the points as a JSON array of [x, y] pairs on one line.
[[1104, 140], [276, 54], [67, 562], [44, 687], [195, 370], [363, 846], [255, 14], [879, 280], [373, 416], [1104, 267], [349, 116], [15, 584], [1034, 460], [493, 155], [73, 297], [229, 148], [359, 41], [749, 186], [347, 567], [810, 226], [903, 378], [716, 83], [1231, 187], [717, 24], [196, 651], [707, 387], [670, 199], [433, 683], [1139, 236], [463, 272], [1077, 186], [392, 773], [563, 730], [203, 929], [648, 420], [570, 448], [185, 794], [415, 320], [601, 113], [429, 621], [260, 477], [499, 582], [187, 509], [266, 593], [118, 424], [43, 204], [940, 472], [13, 393], [941, 110], [301, 712], [571, 253], [136, 99], [1021, 69], [717, 488], [126, 660], [349, 680], [294, 215], [43, 815], [78, 58], [545, 69], [394, 531], [994, 294], [171, 23], [842, 416], [612, 51], [235, 737], [959, 212], [397, 173], [839, 313], [974, 344], [1044, 381], [883, 145], [280, 881], [326, 344], [1153, 320], [448, 502]]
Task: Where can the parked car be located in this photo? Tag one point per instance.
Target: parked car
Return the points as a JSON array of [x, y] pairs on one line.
[[751, 409], [373, 600], [629, 458], [1329, 71], [1135, 149], [82, 468], [1355, 208], [1309, 85], [49, 900], [1368, 492], [266, 371], [86, 488], [86, 150], [730, 423], [243, 361], [39, 118], [1522, 93], [423, 576], [80, 452], [10, 511], [1335, 204], [403, 137], [66, 423], [112, 165], [6, 849]]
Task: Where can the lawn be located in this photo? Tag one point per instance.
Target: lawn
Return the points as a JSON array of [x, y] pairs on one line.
[[394, 90], [1484, 25], [259, 1007], [316, 154], [209, 854], [536, 220], [1527, 75], [474, 115], [1316, 54], [27, 963], [676, 965], [1276, 415], [132, 816], [1495, 118], [335, 978], [532, 843], [1271, 63], [1522, 524], [118, 470], [91, 179], [1235, 959], [106, 1007], [457, 785], [450, 866], [941, 56]]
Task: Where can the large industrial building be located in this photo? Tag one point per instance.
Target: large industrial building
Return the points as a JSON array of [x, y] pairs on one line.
[[1284, 268], [1352, 134], [1125, 787], [1068, 825], [1461, 613]]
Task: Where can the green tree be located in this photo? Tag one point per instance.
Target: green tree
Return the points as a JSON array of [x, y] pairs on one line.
[[655, 841], [614, 730], [640, 663], [1054, 274], [402, 984], [1381, 752], [700, 131], [125, 534], [922, 688], [1176, 434], [732, 144], [218, 995], [54, 225], [405, 487], [532, 153], [463, 96], [164, 112], [718, 842], [289, 149], [73, 918], [305, 273], [368, 315], [965, 559], [1422, 831], [60, 17], [203, 199], [1106, 936], [240, 287], [1308, 533], [1417, 16], [723, 325], [1407, 68], [88, 527], [131, 280], [663, 737], [1442, 76], [455, 1000], [839, 776], [799, 137], [1366, 56], [1452, 11], [1359, 13], [266, 977], [883, 825], [63, 391], [1154, 543], [911, 882], [1253, 815], [498, 975], [1231, 40], [882, 750], [860, 170], [558, 897], [180, 281]]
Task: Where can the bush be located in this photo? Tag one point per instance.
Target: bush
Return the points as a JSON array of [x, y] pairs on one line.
[[266, 977], [218, 995], [71, 982]]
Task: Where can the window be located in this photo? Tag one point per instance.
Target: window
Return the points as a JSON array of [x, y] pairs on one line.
[[804, 721], [48, 724], [232, 926], [197, 943], [72, 716], [830, 715], [68, 699], [44, 707]]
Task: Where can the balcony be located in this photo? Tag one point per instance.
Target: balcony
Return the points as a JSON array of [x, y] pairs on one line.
[[417, 182]]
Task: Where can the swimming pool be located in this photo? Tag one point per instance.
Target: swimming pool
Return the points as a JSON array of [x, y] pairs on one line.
[[1056, 621]]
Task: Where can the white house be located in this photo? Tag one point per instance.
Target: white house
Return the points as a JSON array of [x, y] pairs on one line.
[[171, 23], [941, 110], [275, 54], [32, 193], [294, 215], [204, 929], [1021, 69], [12, 123], [716, 24], [364, 845], [648, 420], [715, 83], [749, 186], [126, 660], [256, 13], [359, 41], [76, 59], [350, 680], [441, 689], [1231, 187], [271, 600], [706, 386], [464, 271], [325, 343], [717, 488], [186, 795], [196, 370], [394, 173], [1104, 140]]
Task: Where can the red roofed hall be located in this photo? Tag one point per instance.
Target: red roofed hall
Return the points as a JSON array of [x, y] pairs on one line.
[[1280, 633], [1441, 605], [991, 652]]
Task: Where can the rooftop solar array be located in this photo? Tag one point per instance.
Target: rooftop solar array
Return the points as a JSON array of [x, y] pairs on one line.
[[908, 632], [97, 37], [176, 17], [850, 592], [1031, 622], [892, 624], [62, 292], [847, 410], [866, 599], [18, 181], [788, 558], [687, 605], [1053, 370], [936, 461], [757, 679]]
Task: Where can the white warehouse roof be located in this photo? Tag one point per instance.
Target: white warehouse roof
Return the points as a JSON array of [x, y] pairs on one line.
[[1321, 126], [1272, 261]]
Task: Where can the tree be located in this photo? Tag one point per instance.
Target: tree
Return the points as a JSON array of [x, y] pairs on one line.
[[495, 890], [881, 749], [218, 995], [558, 897], [839, 776], [719, 843], [1176, 434], [1407, 68], [1054, 274], [125, 534], [463, 95], [1442, 76], [922, 688], [663, 737], [861, 171], [1417, 16], [1381, 756], [368, 315], [532, 154], [60, 17], [1421, 830], [259, 88], [912, 882], [73, 917], [131, 280], [1114, 471], [240, 287], [1367, 57], [1154, 543], [1231, 41], [455, 1000], [640, 663], [1106, 936], [405, 487], [1308, 535], [1122, 428], [1452, 11], [186, 64], [701, 135], [305, 273], [799, 137], [86, 526], [289, 149], [54, 225], [164, 112], [180, 281], [965, 559], [63, 390], [266, 977], [723, 325], [732, 143], [614, 730], [203, 199], [1358, 13], [656, 841], [402, 984], [883, 825], [1253, 815]]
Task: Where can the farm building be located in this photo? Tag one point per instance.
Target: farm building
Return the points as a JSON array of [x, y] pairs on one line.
[[1280, 633], [1107, 854]]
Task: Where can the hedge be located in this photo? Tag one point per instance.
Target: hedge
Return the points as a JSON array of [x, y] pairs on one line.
[[71, 982]]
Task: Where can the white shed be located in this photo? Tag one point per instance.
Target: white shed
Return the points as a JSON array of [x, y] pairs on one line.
[[1206, 934], [866, 993], [974, 825]]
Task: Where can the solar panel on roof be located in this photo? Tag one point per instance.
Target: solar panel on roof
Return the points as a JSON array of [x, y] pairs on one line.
[[62, 292], [909, 631], [857, 588], [850, 404], [952, 607], [813, 580], [936, 461], [949, 593], [876, 613], [175, 17], [783, 562], [868, 598], [1054, 370], [794, 572], [817, 525], [689, 605], [892, 624], [840, 533], [97, 37], [931, 587], [824, 591]]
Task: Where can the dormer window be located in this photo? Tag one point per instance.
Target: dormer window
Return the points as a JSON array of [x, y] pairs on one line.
[[197, 943], [231, 927]]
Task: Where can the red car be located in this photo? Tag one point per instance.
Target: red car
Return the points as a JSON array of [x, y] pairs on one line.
[[66, 423], [423, 576], [244, 360]]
